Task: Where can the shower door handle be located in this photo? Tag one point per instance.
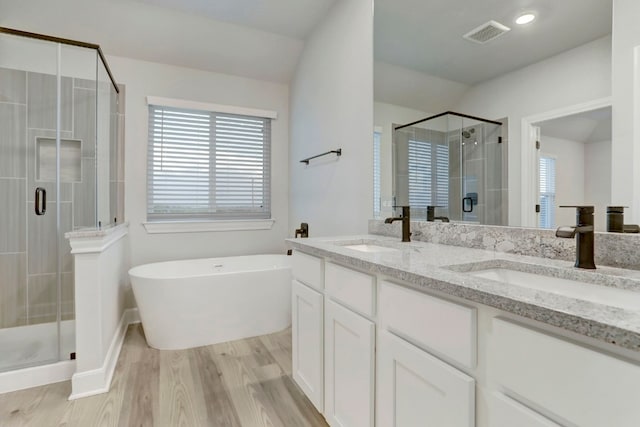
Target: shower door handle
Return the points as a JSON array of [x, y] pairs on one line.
[[41, 201], [464, 204]]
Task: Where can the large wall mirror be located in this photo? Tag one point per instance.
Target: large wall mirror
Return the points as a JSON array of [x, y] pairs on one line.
[[546, 82]]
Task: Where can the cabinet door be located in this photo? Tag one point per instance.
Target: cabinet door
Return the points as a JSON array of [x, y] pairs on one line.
[[566, 380], [307, 338], [349, 367], [416, 389]]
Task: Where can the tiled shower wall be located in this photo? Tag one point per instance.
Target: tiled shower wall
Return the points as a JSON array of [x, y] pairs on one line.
[[28, 292], [484, 172]]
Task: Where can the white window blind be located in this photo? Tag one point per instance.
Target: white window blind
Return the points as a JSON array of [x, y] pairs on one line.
[[207, 165], [376, 175], [547, 192], [428, 174], [419, 173]]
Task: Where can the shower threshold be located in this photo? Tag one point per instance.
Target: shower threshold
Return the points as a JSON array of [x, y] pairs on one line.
[[34, 345]]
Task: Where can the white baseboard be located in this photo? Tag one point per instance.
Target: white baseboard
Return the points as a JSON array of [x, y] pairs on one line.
[[36, 376], [97, 381]]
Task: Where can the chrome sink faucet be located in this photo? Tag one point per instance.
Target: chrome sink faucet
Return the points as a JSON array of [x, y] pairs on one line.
[[406, 223], [585, 237]]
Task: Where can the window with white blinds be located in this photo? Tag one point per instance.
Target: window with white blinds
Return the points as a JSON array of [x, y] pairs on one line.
[[428, 174], [547, 192], [207, 165], [419, 173], [376, 175]]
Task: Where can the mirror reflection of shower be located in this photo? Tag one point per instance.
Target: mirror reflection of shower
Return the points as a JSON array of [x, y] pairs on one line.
[[467, 134], [453, 163]]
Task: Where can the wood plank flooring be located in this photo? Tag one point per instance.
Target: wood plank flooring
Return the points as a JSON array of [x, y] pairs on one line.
[[242, 383]]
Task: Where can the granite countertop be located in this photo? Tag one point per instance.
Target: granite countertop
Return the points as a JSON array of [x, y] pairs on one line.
[[443, 268], [93, 232]]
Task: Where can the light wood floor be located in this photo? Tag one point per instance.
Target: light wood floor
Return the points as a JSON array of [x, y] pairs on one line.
[[241, 383]]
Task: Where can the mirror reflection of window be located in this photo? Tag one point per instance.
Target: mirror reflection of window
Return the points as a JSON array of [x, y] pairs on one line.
[[428, 170], [419, 174], [547, 192], [376, 175]]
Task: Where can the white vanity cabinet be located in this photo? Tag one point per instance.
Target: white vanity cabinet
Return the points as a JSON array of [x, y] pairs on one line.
[[307, 327], [307, 342], [418, 389], [349, 347], [333, 343], [349, 367], [369, 352], [414, 387]]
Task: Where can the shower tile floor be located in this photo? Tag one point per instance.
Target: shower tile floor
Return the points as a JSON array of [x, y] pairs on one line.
[[240, 383]]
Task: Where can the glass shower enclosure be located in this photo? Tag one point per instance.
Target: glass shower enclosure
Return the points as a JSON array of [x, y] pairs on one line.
[[451, 167], [59, 133]]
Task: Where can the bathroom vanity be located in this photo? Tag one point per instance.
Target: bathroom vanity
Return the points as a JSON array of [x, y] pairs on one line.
[[419, 334]]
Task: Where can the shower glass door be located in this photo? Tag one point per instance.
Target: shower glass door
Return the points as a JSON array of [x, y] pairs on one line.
[[476, 171], [48, 95], [472, 169], [29, 242]]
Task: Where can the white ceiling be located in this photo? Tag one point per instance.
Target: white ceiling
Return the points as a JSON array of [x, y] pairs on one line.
[[260, 39], [587, 127], [426, 35], [291, 18], [263, 38]]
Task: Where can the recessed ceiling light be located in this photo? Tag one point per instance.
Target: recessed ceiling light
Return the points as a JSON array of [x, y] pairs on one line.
[[525, 18]]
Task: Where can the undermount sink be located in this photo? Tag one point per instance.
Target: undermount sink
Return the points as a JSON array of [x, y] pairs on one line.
[[607, 295], [370, 248]]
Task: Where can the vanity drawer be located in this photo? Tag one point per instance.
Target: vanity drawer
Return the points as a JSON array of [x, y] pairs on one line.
[[308, 269], [575, 383], [505, 411], [353, 288], [445, 328]]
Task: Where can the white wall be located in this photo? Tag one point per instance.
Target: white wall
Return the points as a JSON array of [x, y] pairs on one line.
[[578, 75], [583, 177], [625, 153], [402, 86], [384, 116], [146, 78], [597, 180], [331, 107], [570, 166]]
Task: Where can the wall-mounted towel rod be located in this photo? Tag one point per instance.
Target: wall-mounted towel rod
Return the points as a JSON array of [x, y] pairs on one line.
[[338, 153]]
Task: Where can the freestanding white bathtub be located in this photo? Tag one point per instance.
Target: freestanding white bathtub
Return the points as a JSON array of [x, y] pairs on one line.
[[191, 303]]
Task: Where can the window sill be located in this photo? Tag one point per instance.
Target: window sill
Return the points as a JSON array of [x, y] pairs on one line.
[[158, 227]]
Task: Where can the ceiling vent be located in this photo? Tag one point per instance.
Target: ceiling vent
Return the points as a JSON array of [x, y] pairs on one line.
[[486, 32]]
